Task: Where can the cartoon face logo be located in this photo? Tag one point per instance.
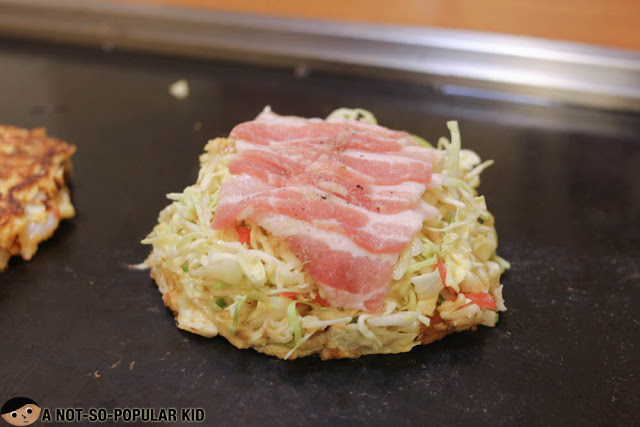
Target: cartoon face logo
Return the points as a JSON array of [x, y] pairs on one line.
[[20, 411]]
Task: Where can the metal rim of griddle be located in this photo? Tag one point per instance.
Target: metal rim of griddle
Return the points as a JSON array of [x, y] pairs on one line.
[[515, 68]]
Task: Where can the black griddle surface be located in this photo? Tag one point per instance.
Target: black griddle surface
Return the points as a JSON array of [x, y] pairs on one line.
[[80, 329]]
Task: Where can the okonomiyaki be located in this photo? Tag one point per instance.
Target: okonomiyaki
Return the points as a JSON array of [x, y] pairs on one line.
[[336, 237], [33, 193]]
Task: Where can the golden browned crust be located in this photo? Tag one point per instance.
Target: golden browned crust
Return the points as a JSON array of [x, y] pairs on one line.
[[32, 175], [439, 329]]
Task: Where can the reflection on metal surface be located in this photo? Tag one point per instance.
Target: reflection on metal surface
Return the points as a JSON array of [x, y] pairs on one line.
[[535, 70], [475, 92]]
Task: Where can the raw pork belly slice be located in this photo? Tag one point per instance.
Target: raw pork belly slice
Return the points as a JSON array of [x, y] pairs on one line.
[[360, 189], [346, 195], [332, 259], [341, 134], [249, 197]]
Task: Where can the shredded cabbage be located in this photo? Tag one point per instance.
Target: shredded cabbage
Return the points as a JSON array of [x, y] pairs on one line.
[[294, 323], [236, 313], [423, 142], [358, 114]]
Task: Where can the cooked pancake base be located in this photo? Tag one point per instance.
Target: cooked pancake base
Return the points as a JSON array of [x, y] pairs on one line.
[[33, 195]]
